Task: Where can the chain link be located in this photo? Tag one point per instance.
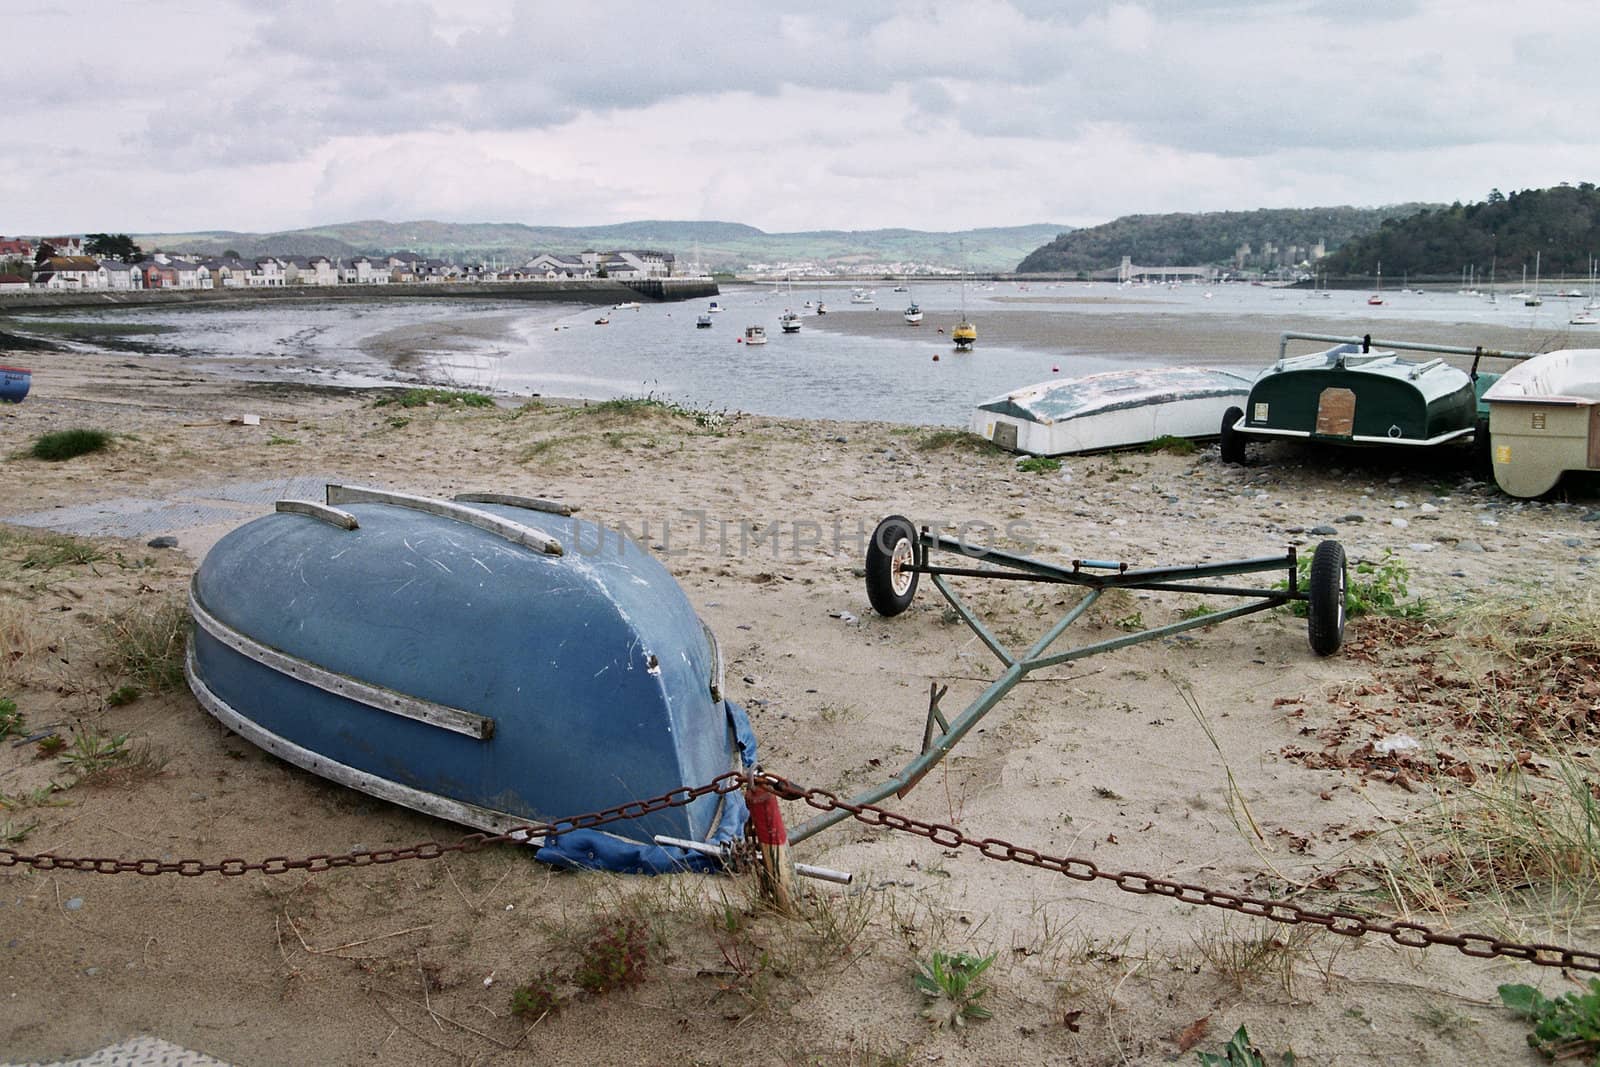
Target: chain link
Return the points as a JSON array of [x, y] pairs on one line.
[[1407, 934], [426, 850], [1345, 924]]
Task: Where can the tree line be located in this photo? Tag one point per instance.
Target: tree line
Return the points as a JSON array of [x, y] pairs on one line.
[[1276, 237], [1557, 228]]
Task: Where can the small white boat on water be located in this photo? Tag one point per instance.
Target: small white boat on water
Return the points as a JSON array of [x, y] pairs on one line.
[[861, 296], [914, 314], [755, 335], [715, 307], [789, 321], [626, 305], [1116, 409]]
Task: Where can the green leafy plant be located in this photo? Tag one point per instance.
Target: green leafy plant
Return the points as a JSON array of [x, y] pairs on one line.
[[1564, 1028], [1132, 622], [65, 444], [1371, 588], [616, 956], [951, 983], [1038, 465], [12, 834], [1239, 1052], [123, 694], [50, 745], [537, 997], [10, 718], [92, 751]]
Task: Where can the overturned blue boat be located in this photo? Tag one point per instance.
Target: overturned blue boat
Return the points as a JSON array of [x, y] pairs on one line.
[[491, 660], [14, 383]]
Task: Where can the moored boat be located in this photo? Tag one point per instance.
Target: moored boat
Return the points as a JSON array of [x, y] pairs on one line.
[[789, 321], [1116, 409], [755, 335], [964, 334], [913, 314], [703, 322], [490, 660], [14, 384]]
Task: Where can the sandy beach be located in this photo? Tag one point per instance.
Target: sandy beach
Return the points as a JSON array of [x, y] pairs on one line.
[[1229, 756]]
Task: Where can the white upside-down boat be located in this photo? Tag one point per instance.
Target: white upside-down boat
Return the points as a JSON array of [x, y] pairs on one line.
[[1117, 409], [1544, 420]]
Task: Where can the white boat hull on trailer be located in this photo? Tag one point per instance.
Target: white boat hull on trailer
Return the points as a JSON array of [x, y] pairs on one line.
[[1118, 409]]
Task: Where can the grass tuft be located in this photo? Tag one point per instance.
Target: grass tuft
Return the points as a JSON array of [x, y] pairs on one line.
[[421, 398], [146, 644], [65, 444]]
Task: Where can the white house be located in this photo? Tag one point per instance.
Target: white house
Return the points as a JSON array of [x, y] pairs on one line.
[[312, 270], [119, 275], [266, 273], [550, 265], [69, 272], [363, 270]]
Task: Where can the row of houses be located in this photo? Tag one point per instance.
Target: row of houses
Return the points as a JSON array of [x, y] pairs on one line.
[[73, 270]]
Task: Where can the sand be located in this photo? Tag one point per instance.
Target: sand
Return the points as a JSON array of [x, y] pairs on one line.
[[1107, 759]]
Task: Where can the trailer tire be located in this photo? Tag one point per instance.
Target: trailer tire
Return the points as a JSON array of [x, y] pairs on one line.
[[1325, 614], [1232, 442], [891, 583], [1482, 452]]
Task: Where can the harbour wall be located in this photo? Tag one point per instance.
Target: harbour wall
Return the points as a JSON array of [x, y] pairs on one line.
[[564, 291]]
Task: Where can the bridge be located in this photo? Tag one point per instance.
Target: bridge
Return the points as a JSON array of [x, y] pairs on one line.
[[1129, 272]]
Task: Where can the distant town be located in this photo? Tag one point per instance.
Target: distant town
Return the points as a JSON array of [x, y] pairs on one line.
[[112, 262]]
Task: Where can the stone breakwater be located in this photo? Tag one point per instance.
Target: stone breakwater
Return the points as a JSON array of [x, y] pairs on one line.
[[566, 291]]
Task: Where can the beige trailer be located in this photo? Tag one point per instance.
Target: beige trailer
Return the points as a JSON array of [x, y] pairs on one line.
[[1544, 420]]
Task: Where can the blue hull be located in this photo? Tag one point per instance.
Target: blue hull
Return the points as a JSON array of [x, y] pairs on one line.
[[454, 664], [14, 383]]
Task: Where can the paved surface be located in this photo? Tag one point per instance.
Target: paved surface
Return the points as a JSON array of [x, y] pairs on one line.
[[141, 1051], [197, 516]]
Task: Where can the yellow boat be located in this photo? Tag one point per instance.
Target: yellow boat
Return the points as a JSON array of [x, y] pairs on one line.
[[964, 334]]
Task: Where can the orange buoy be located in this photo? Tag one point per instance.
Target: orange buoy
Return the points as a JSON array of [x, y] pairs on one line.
[[936, 357]]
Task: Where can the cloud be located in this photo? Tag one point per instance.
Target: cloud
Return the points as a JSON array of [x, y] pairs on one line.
[[836, 114]]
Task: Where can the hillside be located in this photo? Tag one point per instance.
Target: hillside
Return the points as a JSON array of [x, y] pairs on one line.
[[1276, 237], [1555, 231], [719, 245]]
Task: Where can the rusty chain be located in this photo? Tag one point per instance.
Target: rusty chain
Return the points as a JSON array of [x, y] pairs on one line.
[[1407, 934], [427, 850], [1345, 924]]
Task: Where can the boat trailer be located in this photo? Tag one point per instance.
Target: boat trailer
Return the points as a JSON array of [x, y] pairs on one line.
[[899, 555]]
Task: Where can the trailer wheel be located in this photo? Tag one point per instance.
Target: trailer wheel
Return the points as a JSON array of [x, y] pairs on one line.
[[1325, 617], [1232, 440], [891, 555], [1482, 453]]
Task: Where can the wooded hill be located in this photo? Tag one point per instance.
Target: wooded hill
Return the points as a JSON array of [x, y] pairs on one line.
[[1559, 226], [1209, 239]]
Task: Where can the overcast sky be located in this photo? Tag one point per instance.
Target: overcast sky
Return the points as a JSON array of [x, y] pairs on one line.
[[174, 116]]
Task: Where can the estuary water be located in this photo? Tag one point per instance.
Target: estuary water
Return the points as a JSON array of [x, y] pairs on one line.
[[860, 361]]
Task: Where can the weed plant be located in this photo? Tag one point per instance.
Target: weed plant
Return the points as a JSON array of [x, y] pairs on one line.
[[950, 982], [66, 444], [1038, 465], [1565, 1028], [146, 644], [10, 719], [1371, 588], [1239, 1052]]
